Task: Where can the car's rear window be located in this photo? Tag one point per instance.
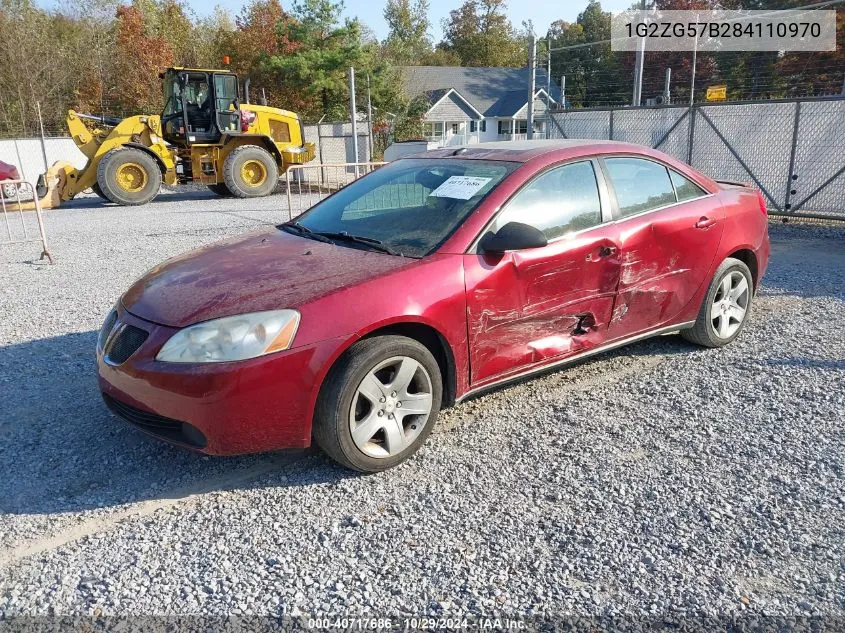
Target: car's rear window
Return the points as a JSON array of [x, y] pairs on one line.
[[411, 205]]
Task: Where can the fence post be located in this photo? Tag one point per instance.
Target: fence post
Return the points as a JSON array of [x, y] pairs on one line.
[[322, 175], [692, 109], [789, 174], [353, 110], [610, 136], [287, 188]]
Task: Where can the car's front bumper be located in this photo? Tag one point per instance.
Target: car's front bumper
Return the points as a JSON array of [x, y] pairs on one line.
[[257, 405]]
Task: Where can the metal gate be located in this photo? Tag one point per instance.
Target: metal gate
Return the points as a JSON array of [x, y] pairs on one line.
[[22, 216], [306, 185], [792, 150]]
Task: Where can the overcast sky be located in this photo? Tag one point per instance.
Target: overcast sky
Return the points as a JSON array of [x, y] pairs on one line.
[[542, 12]]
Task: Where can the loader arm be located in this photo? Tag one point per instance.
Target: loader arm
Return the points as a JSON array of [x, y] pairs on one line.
[[143, 132]]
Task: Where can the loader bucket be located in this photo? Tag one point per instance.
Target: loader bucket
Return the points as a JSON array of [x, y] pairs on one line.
[[50, 185]]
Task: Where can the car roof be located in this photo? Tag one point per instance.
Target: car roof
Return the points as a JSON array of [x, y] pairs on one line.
[[547, 151], [523, 151]]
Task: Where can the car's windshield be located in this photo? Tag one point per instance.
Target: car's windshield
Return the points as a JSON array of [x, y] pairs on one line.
[[410, 206]]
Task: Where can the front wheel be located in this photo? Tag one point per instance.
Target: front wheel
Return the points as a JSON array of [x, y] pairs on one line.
[[726, 306], [128, 176], [379, 403]]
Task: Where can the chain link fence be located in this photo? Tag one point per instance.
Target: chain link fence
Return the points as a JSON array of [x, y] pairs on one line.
[[792, 150], [334, 142]]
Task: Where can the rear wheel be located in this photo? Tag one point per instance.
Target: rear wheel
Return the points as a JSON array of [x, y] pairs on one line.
[[221, 190], [726, 306], [250, 171], [128, 176], [96, 189], [379, 403]]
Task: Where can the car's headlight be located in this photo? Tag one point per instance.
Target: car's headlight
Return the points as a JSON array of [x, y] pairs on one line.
[[232, 338]]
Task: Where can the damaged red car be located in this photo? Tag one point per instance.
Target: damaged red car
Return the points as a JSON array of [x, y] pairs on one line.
[[429, 280]]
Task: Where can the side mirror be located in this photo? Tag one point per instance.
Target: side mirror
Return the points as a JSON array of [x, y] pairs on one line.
[[513, 236]]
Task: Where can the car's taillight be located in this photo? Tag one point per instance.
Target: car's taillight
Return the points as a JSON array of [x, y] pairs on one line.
[[761, 200]]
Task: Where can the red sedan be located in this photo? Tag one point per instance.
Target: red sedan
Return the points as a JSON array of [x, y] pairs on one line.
[[8, 172], [431, 279]]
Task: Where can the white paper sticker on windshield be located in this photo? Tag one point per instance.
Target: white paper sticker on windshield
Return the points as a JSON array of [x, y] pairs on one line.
[[460, 187]]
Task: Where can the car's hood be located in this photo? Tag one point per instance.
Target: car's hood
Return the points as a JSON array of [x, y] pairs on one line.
[[259, 271]]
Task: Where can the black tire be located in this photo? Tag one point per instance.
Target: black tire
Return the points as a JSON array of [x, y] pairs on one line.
[[703, 332], [141, 163], [332, 430], [96, 189], [233, 172], [220, 189]]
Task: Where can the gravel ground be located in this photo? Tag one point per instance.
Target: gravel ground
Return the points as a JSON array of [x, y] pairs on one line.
[[658, 479]]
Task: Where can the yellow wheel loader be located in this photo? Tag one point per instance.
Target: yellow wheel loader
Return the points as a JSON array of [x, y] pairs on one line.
[[204, 134]]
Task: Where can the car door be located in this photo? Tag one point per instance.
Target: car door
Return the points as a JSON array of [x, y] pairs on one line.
[[529, 307], [669, 232]]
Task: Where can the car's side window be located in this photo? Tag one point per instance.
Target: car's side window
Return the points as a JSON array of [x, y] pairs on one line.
[[640, 185], [685, 188], [562, 200]]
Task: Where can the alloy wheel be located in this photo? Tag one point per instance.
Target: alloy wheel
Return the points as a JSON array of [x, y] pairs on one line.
[[390, 407], [730, 304], [10, 191]]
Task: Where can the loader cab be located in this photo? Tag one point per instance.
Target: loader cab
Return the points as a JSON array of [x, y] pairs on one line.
[[199, 105]]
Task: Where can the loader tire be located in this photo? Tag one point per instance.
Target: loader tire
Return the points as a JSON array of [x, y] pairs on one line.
[[128, 176], [220, 189], [250, 171], [96, 189]]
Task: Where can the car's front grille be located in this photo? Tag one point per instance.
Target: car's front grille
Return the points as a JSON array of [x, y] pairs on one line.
[[124, 343], [158, 425]]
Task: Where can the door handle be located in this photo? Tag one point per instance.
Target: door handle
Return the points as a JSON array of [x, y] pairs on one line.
[[704, 223]]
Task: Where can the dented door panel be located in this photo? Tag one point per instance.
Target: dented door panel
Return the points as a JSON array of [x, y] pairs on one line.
[[665, 257], [528, 307]]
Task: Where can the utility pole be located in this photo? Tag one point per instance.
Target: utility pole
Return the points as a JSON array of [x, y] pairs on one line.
[[370, 117], [666, 93], [532, 67], [638, 64], [353, 112]]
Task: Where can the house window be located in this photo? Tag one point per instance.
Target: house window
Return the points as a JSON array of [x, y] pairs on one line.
[[455, 127], [433, 130], [521, 127], [473, 126], [483, 125], [504, 126]]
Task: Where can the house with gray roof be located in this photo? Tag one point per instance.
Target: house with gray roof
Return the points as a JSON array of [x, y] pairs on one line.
[[471, 105]]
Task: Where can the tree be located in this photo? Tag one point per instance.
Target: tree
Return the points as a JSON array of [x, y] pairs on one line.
[[323, 50], [594, 74], [257, 37], [139, 57], [480, 34], [407, 41]]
